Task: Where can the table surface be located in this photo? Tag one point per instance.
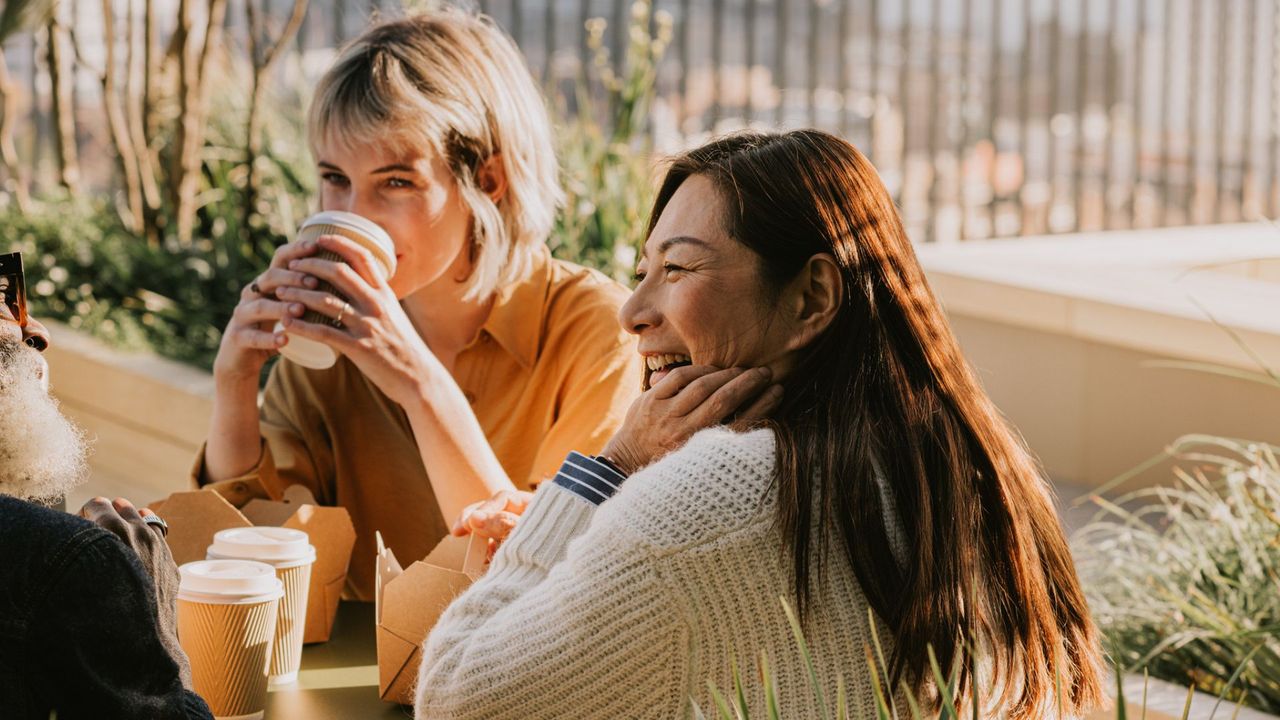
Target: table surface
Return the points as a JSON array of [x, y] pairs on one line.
[[339, 678]]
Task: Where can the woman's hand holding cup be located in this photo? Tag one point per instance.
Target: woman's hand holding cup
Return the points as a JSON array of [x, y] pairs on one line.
[[687, 400], [249, 339], [375, 332]]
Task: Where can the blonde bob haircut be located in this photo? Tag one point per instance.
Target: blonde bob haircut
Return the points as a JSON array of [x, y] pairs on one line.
[[452, 82]]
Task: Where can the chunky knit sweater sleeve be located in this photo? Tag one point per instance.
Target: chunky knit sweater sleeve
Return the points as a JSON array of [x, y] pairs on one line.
[[573, 619]]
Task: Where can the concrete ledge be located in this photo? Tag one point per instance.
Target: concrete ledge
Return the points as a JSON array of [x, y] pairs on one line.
[[147, 415], [1069, 334]]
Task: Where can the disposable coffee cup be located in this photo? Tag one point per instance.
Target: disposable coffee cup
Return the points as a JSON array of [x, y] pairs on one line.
[[317, 355], [226, 625], [291, 554]]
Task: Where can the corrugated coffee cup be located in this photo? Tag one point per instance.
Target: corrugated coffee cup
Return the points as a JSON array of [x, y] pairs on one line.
[[292, 555], [372, 237], [226, 624]]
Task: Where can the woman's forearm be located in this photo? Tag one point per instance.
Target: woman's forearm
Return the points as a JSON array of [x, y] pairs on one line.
[[460, 463], [235, 441]]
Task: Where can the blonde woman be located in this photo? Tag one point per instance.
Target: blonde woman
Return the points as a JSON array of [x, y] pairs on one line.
[[482, 361]]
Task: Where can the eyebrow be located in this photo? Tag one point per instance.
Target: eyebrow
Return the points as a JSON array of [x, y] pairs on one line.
[[394, 167], [669, 243]]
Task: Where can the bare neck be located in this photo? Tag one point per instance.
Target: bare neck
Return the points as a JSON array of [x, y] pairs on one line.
[[444, 320]]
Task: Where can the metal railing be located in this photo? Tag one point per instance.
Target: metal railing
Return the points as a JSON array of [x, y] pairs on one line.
[[986, 118]]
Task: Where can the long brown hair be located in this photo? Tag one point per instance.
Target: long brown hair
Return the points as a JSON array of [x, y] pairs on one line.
[[986, 563]]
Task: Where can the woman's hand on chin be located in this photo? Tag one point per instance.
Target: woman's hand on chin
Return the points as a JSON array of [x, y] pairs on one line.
[[687, 400], [376, 334]]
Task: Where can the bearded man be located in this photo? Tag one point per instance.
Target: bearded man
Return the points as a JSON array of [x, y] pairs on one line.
[[86, 603]]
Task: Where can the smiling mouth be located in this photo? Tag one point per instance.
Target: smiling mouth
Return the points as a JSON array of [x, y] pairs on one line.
[[658, 366]]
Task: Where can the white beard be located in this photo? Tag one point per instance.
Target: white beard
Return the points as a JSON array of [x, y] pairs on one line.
[[42, 453]]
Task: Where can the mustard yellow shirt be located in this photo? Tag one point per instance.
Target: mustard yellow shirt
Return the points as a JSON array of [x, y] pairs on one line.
[[549, 372]]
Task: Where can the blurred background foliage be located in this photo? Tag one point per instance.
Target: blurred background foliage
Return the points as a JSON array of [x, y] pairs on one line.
[[128, 270]]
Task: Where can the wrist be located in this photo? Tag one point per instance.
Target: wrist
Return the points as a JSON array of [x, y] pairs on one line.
[[621, 457]]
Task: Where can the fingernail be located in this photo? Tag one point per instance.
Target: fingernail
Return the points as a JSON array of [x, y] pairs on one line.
[[296, 308], [764, 372], [310, 282], [776, 391], [293, 264]]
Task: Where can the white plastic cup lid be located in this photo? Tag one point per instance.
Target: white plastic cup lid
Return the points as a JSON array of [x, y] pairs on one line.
[[381, 243], [272, 545], [230, 580]]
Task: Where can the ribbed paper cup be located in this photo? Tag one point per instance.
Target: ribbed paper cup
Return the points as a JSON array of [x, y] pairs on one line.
[[226, 625], [368, 234], [290, 553]]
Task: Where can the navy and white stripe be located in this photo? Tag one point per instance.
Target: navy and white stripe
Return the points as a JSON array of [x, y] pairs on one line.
[[593, 479]]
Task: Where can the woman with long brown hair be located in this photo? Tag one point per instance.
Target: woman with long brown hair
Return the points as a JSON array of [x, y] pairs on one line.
[[873, 473]]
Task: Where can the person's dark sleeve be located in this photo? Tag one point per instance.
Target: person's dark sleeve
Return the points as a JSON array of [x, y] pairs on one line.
[[97, 634]]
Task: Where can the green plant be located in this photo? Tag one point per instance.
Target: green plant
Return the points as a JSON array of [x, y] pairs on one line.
[[605, 151], [88, 269], [735, 705], [1185, 580]]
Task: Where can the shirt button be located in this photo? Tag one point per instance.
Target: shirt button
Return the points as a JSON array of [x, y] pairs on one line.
[[240, 487]]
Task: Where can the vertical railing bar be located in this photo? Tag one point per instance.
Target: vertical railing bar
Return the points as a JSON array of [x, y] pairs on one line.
[[993, 116], [1111, 71], [620, 38], [815, 56], [1166, 113], [686, 62], [1024, 112], [843, 85], [1138, 117], [1223, 18], [876, 53], [517, 22], [935, 118], [781, 32], [1082, 107], [753, 8], [961, 146], [549, 41], [904, 98], [1190, 196], [718, 33], [1248, 182], [1055, 105], [1273, 152]]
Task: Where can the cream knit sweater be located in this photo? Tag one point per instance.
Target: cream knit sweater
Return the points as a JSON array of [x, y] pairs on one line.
[[630, 608]]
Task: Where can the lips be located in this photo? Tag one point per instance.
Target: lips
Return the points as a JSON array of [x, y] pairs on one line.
[[659, 365]]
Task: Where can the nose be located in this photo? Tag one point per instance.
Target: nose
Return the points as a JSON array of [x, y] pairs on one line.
[[36, 335], [637, 314]]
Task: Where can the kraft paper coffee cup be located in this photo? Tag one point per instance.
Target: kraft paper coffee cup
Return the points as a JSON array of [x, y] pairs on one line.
[[292, 555], [371, 236], [226, 624]]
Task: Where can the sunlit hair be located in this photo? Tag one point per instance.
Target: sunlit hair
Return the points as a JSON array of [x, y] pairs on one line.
[[885, 388], [452, 83]]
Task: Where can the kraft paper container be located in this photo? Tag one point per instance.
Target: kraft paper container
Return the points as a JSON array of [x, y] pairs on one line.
[[410, 600], [195, 517]]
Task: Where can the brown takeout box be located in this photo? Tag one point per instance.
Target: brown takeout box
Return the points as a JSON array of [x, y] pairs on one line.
[[408, 602], [195, 516]]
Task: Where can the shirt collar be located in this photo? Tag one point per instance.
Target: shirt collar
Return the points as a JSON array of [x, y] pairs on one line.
[[515, 321]]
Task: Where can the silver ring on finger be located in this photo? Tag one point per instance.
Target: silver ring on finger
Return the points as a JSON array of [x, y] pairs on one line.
[[346, 308], [157, 521]]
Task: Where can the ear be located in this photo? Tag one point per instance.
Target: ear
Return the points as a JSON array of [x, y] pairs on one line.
[[813, 298], [491, 178]]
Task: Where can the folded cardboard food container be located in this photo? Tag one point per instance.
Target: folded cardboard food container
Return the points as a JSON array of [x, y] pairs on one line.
[[195, 516], [409, 601]]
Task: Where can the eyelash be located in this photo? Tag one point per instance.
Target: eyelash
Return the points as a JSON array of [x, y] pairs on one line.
[[394, 183], [668, 267], [334, 178]]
